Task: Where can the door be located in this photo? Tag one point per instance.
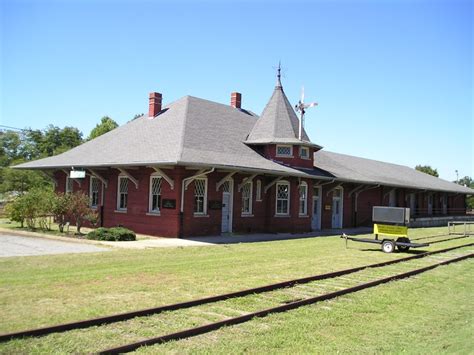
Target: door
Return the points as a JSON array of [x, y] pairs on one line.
[[412, 205], [316, 218], [430, 204], [337, 208], [225, 212]]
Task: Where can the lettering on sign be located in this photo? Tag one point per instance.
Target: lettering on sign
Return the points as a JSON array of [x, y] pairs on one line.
[[215, 205], [167, 203], [327, 207], [385, 229]]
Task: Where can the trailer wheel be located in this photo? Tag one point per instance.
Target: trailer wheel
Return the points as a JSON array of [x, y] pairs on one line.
[[388, 246], [403, 247]]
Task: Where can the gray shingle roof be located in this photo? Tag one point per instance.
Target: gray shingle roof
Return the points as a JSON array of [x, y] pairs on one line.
[[278, 123], [193, 131], [189, 131], [355, 169]]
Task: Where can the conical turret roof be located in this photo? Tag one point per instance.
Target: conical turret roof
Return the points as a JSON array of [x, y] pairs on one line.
[[278, 123]]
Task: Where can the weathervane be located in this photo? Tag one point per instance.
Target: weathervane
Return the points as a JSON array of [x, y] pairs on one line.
[[301, 107]]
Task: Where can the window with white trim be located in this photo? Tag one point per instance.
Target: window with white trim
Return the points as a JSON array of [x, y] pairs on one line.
[[154, 198], [258, 193], [200, 196], [247, 198], [284, 151], [282, 198], [94, 191], [122, 193], [304, 152], [69, 184], [303, 205]]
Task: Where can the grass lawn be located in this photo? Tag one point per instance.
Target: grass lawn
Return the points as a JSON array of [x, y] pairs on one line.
[[432, 312]]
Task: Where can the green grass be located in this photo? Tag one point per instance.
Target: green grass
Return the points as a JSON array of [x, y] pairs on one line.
[[432, 312]]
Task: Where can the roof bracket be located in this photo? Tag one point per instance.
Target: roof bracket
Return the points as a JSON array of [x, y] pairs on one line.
[[67, 175], [129, 176], [389, 192], [246, 180], [190, 179], [98, 176], [366, 188], [360, 187], [164, 176], [334, 188], [51, 177], [273, 182], [319, 183], [224, 179]]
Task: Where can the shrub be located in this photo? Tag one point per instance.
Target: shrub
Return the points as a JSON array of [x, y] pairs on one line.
[[115, 234], [32, 207]]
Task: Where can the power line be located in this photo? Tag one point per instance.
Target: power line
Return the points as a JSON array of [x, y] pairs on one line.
[[13, 128]]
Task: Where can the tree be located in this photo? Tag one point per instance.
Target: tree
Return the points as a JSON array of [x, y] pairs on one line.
[[9, 147], [79, 208], [427, 170], [106, 124], [20, 181], [61, 209]]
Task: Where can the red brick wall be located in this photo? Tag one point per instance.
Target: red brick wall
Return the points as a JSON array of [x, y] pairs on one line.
[[295, 161], [263, 218]]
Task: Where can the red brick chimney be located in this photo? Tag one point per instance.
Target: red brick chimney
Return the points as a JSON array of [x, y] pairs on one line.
[[154, 104], [236, 99]]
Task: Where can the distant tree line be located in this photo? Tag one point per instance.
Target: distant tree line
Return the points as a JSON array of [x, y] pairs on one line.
[[17, 147]]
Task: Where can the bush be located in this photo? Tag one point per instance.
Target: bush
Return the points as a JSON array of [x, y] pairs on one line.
[[116, 234]]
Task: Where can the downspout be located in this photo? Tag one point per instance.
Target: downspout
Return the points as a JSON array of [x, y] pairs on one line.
[[183, 183]]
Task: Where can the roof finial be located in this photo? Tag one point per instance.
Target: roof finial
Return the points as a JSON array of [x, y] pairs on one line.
[[278, 83]]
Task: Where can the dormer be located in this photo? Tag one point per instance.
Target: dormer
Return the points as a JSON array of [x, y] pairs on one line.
[[276, 133]]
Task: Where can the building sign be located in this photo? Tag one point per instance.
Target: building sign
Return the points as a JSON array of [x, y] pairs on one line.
[[170, 204], [396, 231], [215, 205], [77, 174], [327, 207]]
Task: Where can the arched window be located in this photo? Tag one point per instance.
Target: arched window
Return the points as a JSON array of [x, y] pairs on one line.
[[258, 193], [69, 184], [122, 193], [154, 198], [94, 191], [200, 196], [303, 203], [247, 198], [282, 198]]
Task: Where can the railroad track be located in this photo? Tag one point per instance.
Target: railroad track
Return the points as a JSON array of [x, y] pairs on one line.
[[207, 314]]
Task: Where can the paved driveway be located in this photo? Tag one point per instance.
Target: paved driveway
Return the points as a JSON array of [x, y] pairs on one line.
[[23, 246]]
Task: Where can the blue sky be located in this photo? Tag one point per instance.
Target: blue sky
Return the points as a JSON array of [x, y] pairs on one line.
[[393, 79]]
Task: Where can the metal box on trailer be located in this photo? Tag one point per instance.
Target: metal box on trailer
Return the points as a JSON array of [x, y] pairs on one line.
[[396, 215]]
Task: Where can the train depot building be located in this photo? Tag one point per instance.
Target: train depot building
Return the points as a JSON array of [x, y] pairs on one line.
[[196, 167]]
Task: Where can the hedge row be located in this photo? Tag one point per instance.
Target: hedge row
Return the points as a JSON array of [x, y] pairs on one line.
[[115, 234]]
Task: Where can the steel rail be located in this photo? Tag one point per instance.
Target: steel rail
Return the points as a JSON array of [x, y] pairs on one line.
[[448, 239], [431, 236], [197, 302], [190, 332]]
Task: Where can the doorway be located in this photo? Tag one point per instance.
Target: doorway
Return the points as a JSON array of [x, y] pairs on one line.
[[316, 218], [227, 188], [337, 208]]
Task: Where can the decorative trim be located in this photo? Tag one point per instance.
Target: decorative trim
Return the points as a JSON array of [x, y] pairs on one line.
[[169, 180], [98, 176], [223, 180], [273, 182], [246, 180], [129, 176]]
